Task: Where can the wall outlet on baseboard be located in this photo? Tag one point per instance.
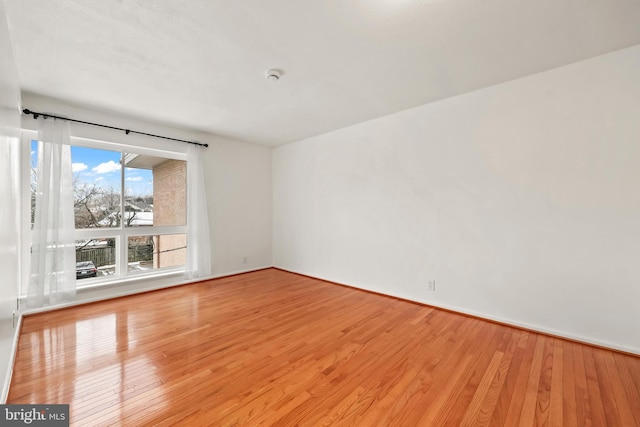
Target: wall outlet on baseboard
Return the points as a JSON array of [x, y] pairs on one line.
[[244, 260], [431, 285]]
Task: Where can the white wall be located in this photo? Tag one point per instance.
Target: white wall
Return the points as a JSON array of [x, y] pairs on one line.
[[238, 184], [521, 200], [9, 201]]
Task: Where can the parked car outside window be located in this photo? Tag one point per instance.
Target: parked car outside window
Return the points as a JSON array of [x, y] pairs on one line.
[[85, 269]]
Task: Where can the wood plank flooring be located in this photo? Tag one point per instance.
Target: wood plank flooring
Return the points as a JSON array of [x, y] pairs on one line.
[[274, 348]]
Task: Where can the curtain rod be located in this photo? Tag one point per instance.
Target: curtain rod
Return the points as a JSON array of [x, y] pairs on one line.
[[127, 131]]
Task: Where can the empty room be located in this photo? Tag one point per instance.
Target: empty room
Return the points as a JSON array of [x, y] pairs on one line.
[[366, 213]]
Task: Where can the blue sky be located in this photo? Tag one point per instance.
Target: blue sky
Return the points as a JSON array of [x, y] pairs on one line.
[[102, 167]]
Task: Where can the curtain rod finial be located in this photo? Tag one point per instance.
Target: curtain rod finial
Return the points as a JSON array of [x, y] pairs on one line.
[[35, 115]]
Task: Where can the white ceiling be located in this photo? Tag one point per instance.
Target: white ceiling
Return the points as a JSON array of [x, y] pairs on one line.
[[200, 64]]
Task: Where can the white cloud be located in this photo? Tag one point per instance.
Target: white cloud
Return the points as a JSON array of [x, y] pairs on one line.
[[100, 178], [134, 179], [78, 167], [107, 167]]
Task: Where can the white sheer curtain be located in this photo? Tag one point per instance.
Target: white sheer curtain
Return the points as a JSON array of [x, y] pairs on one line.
[[198, 240], [53, 256]]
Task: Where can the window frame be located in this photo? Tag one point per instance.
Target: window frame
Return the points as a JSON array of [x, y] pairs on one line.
[[122, 233]]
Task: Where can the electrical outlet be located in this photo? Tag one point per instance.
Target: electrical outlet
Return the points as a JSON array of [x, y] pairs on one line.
[[431, 285], [244, 260]]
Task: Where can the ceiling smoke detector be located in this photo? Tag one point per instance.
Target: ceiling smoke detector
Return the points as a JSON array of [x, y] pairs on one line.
[[273, 75]]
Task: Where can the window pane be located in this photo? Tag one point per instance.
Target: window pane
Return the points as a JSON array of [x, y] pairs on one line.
[[154, 252], [155, 191], [113, 190], [95, 258], [96, 187]]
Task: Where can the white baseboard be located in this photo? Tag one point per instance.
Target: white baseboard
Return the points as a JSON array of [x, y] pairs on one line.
[[12, 359], [508, 322]]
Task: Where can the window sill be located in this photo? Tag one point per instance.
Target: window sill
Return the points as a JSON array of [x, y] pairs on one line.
[[115, 281], [113, 288]]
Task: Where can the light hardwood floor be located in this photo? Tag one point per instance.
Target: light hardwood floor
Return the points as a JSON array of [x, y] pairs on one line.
[[274, 348]]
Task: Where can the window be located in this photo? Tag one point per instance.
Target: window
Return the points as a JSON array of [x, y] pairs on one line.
[[129, 209]]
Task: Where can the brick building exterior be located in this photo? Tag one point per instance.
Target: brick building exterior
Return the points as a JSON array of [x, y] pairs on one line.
[[170, 208]]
